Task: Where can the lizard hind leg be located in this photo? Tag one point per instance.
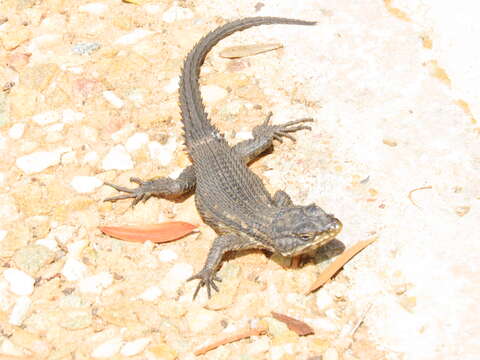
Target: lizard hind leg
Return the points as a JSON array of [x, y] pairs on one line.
[[282, 199], [161, 187]]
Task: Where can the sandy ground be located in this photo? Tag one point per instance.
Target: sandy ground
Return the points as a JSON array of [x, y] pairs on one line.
[[89, 94]]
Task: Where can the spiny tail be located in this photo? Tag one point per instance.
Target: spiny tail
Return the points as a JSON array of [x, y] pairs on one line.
[[195, 120]]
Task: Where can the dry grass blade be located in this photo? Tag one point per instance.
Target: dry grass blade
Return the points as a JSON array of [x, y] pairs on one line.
[[295, 325], [234, 52], [339, 263], [239, 335]]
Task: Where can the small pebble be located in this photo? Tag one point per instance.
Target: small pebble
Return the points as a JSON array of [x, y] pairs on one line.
[[167, 255], [73, 269], [38, 161], [162, 153], [172, 85], [20, 282], [62, 233], [107, 349], [117, 159], [200, 320], [323, 300], [3, 234], [213, 93], [70, 116], [85, 184], [177, 13], [86, 48], [32, 258], [133, 37], [134, 347], [96, 283], [90, 158], [113, 99], [48, 243], [16, 131], [45, 118], [75, 249], [151, 294], [10, 349], [19, 310], [176, 277], [94, 8], [136, 141], [330, 354], [75, 319]]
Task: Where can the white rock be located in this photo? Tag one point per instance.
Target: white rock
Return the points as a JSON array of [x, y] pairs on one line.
[[20, 282], [200, 319], [69, 158], [62, 233], [330, 354], [176, 277], [213, 93], [3, 234], [117, 159], [58, 127], [172, 85], [2, 179], [323, 300], [70, 116], [96, 283], [16, 131], [123, 133], [134, 347], [277, 352], [136, 141], [10, 349], [20, 310], [177, 13], [162, 153], [260, 345], [113, 99], [48, 243], [85, 184], [90, 158], [167, 255], [133, 37], [108, 349], [45, 118], [152, 9], [151, 294], [75, 249], [73, 269], [94, 8], [38, 161]]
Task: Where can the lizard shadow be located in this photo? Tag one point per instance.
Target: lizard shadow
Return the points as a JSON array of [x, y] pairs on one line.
[[320, 255]]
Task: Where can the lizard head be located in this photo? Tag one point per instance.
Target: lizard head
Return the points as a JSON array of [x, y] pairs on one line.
[[299, 229]]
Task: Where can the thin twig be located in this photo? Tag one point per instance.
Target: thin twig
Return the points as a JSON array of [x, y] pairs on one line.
[[417, 189], [239, 335]]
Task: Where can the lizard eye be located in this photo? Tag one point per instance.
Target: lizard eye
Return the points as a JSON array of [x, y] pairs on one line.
[[305, 237]]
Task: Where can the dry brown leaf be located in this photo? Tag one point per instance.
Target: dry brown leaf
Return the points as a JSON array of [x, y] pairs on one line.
[[297, 326], [339, 263]]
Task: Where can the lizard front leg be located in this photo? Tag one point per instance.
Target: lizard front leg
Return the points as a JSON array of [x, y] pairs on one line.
[[220, 246], [162, 187], [264, 134]]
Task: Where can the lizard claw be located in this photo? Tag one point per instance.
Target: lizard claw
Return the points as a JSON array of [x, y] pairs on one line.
[[283, 130], [142, 192], [207, 278]]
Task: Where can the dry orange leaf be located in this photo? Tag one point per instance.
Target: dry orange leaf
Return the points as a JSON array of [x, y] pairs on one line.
[[157, 233]]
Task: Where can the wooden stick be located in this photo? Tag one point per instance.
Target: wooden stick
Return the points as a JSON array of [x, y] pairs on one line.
[[239, 335], [339, 263]]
